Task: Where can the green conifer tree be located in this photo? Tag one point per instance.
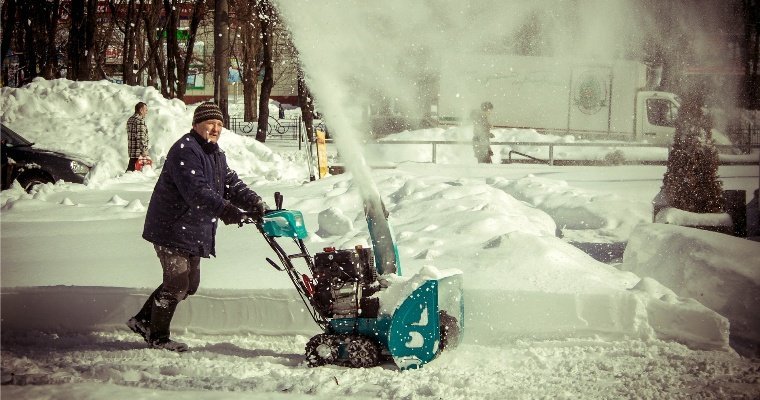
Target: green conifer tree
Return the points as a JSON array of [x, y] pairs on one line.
[[691, 180]]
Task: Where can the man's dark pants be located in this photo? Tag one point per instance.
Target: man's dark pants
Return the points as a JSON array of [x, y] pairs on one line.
[[182, 275]]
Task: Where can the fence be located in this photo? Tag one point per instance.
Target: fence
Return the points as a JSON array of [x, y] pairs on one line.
[[277, 128], [285, 128], [745, 136], [552, 159]]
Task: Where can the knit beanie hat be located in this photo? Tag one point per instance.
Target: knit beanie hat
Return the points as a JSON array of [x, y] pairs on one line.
[[206, 111]]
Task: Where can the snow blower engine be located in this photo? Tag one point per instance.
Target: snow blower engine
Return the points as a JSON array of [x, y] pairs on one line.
[[368, 313]]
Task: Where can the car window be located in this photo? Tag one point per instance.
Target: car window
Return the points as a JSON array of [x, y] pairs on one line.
[[661, 112], [13, 138]]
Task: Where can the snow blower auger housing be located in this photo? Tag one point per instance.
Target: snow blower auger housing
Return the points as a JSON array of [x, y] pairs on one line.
[[367, 312]]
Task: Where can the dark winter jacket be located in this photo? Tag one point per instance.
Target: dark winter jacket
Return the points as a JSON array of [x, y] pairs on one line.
[[190, 194]]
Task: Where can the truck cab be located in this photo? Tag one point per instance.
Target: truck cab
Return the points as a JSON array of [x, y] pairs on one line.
[[656, 116]]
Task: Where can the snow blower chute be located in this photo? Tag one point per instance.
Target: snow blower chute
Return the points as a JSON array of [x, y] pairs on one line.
[[368, 313]]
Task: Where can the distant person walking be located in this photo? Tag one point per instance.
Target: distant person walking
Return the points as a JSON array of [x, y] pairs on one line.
[[481, 133], [137, 136], [194, 190]]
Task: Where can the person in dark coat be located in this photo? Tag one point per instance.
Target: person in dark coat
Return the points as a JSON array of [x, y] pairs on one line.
[[194, 190], [481, 133]]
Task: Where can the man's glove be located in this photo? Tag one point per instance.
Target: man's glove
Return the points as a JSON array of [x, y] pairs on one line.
[[257, 208], [232, 215]]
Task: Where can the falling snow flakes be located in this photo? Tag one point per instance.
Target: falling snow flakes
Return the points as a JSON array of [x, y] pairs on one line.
[[192, 171]]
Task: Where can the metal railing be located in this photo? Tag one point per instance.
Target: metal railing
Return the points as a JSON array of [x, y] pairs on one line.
[[289, 128], [283, 128], [745, 136], [552, 146]]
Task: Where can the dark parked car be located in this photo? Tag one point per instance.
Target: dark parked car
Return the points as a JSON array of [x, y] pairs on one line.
[[31, 165]]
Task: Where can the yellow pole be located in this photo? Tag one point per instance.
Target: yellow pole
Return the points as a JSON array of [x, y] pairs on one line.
[[321, 154]]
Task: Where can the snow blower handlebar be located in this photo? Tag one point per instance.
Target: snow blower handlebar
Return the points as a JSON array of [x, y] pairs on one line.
[[288, 223]]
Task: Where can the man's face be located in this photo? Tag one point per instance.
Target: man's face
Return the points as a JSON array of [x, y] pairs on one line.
[[209, 129], [143, 111]]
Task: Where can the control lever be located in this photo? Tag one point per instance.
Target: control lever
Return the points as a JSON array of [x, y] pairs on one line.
[[278, 197]]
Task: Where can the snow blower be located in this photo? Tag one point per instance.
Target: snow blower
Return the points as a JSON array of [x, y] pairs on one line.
[[368, 313]]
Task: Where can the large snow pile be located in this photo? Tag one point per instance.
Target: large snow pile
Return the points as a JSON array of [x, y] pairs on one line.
[[89, 118], [719, 271]]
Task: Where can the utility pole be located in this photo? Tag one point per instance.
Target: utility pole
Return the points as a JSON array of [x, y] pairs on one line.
[[222, 57]]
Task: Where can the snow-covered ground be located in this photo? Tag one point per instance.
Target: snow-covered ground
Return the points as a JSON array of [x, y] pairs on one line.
[[543, 319]]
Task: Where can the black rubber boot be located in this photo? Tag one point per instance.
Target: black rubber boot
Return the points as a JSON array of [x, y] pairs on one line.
[[140, 323], [144, 314], [160, 320]]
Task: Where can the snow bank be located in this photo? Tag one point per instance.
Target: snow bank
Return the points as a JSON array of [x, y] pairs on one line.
[[672, 215], [89, 118], [519, 279], [610, 216], [720, 271]]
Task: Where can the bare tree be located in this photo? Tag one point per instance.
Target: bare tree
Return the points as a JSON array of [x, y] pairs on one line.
[[179, 57], [154, 33], [199, 10], [751, 54], [248, 30], [9, 19], [306, 103], [30, 31], [222, 57], [81, 38], [106, 39], [267, 16], [248, 52], [125, 15], [51, 50]]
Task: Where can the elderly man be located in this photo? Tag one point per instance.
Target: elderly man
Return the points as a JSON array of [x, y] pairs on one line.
[[137, 135], [195, 188]]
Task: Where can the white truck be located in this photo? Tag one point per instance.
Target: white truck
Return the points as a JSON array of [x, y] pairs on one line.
[[558, 96]]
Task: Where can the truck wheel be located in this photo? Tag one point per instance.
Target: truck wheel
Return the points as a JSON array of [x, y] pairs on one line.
[[449, 331], [29, 180], [363, 352], [321, 349]]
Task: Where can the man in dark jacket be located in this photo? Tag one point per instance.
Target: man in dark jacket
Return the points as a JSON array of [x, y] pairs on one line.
[[195, 188]]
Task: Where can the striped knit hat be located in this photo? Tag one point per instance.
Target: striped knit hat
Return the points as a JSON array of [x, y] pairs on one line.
[[206, 111]]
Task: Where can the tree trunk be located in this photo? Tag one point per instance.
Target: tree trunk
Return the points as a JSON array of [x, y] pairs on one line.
[[267, 14], [183, 63], [76, 36], [307, 105], [249, 73], [128, 49], [52, 27], [755, 77], [8, 25], [26, 61], [171, 10], [750, 55], [222, 57], [154, 36], [90, 23], [153, 32]]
